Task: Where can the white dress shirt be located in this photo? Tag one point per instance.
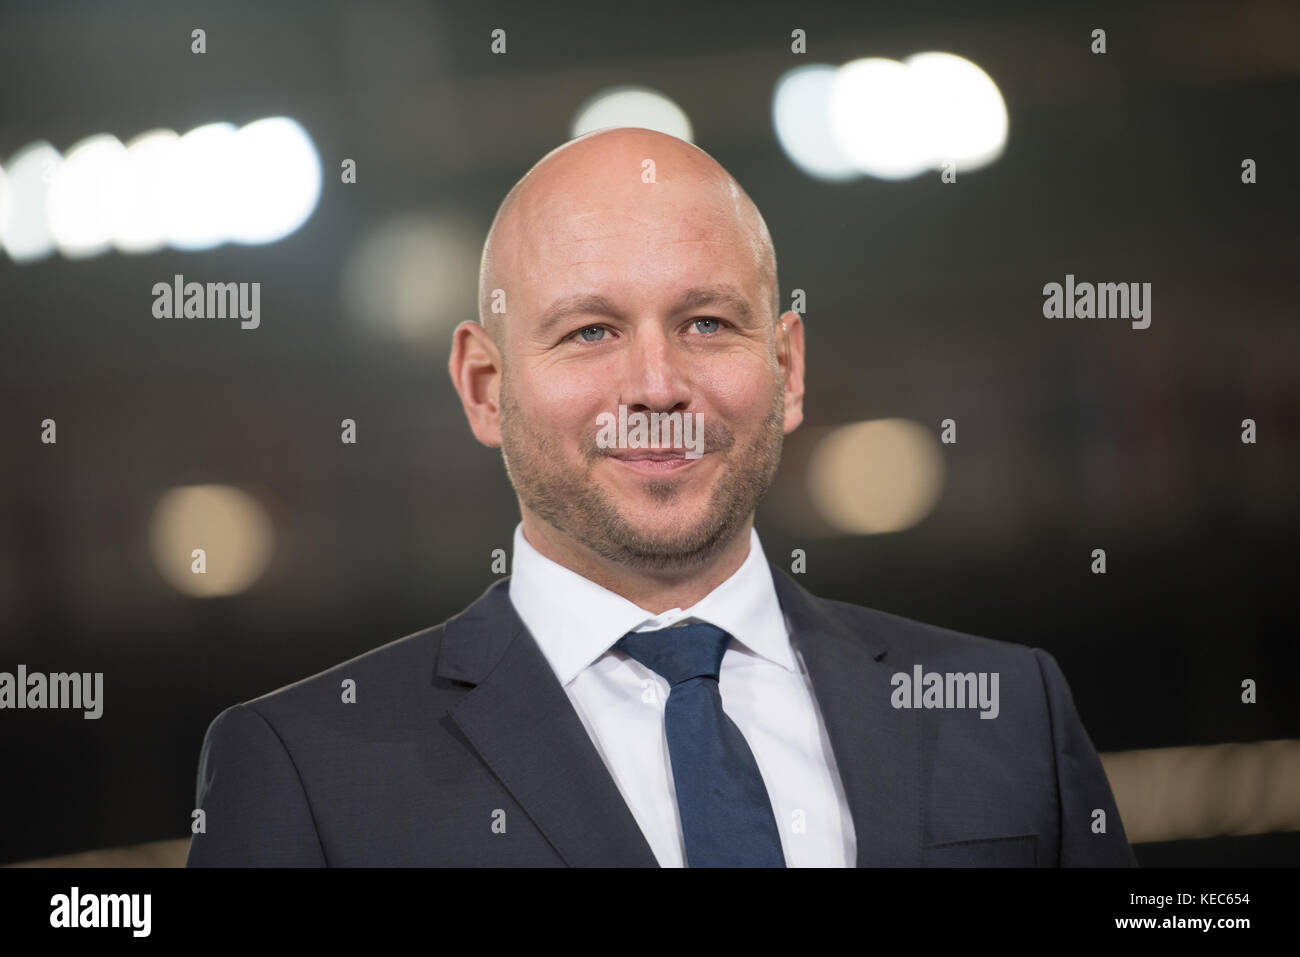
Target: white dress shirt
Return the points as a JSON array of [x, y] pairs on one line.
[[764, 685]]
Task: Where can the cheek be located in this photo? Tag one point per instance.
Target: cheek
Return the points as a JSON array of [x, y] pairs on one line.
[[564, 401], [738, 397]]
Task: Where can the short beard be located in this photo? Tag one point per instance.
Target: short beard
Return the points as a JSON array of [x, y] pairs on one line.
[[578, 507]]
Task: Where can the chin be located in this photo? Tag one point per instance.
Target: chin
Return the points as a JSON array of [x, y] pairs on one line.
[[666, 525]]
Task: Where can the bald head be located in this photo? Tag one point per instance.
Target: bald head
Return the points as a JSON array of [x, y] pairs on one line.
[[624, 179]]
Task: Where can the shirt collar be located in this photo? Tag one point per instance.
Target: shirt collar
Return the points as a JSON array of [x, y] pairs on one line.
[[575, 621]]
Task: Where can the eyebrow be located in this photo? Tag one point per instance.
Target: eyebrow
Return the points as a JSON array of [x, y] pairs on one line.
[[591, 304]]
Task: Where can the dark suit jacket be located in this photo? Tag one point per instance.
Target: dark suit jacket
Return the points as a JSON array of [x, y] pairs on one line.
[[463, 727]]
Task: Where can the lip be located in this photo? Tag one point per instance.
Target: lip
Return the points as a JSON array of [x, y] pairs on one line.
[[656, 463]]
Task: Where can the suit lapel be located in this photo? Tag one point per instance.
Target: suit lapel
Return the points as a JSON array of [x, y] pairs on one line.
[[876, 748], [522, 724]]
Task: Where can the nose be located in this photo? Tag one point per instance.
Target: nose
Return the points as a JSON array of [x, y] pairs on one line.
[[655, 377]]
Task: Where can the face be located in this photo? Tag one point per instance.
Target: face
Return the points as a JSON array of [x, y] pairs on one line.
[[658, 303]]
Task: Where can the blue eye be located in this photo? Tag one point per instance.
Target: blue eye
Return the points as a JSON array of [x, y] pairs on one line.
[[597, 333]]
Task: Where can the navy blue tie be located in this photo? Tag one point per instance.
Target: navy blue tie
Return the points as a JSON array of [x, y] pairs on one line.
[[726, 815]]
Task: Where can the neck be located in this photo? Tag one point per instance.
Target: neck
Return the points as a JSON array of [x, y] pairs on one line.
[[655, 590]]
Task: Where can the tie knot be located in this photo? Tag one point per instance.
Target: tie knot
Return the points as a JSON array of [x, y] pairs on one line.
[[678, 654]]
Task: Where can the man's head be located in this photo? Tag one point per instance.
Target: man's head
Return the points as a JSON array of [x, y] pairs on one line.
[[628, 268]]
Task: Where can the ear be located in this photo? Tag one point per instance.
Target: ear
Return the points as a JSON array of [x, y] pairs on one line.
[[790, 356], [475, 368]]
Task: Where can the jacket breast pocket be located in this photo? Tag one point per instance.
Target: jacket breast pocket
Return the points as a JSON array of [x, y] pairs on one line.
[[1018, 851]]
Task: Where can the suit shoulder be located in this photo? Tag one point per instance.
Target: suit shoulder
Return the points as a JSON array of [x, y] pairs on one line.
[[917, 638], [403, 660]]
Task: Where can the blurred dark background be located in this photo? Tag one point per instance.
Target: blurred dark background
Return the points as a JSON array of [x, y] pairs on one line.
[[924, 302]]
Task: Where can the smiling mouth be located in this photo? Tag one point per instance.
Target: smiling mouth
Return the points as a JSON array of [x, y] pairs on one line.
[[653, 454], [656, 461]]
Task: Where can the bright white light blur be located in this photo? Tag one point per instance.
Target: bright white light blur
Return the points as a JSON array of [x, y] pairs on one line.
[[801, 116], [136, 195], [633, 106], [31, 172], [278, 177], [213, 185], [78, 207], [197, 187], [888, 119], [875, 118], [231, 527], [965, 117]]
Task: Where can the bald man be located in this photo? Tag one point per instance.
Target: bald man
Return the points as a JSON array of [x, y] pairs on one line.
[[645, 688]]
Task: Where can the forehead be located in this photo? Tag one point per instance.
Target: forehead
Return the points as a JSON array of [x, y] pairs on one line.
[[634, 234]]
